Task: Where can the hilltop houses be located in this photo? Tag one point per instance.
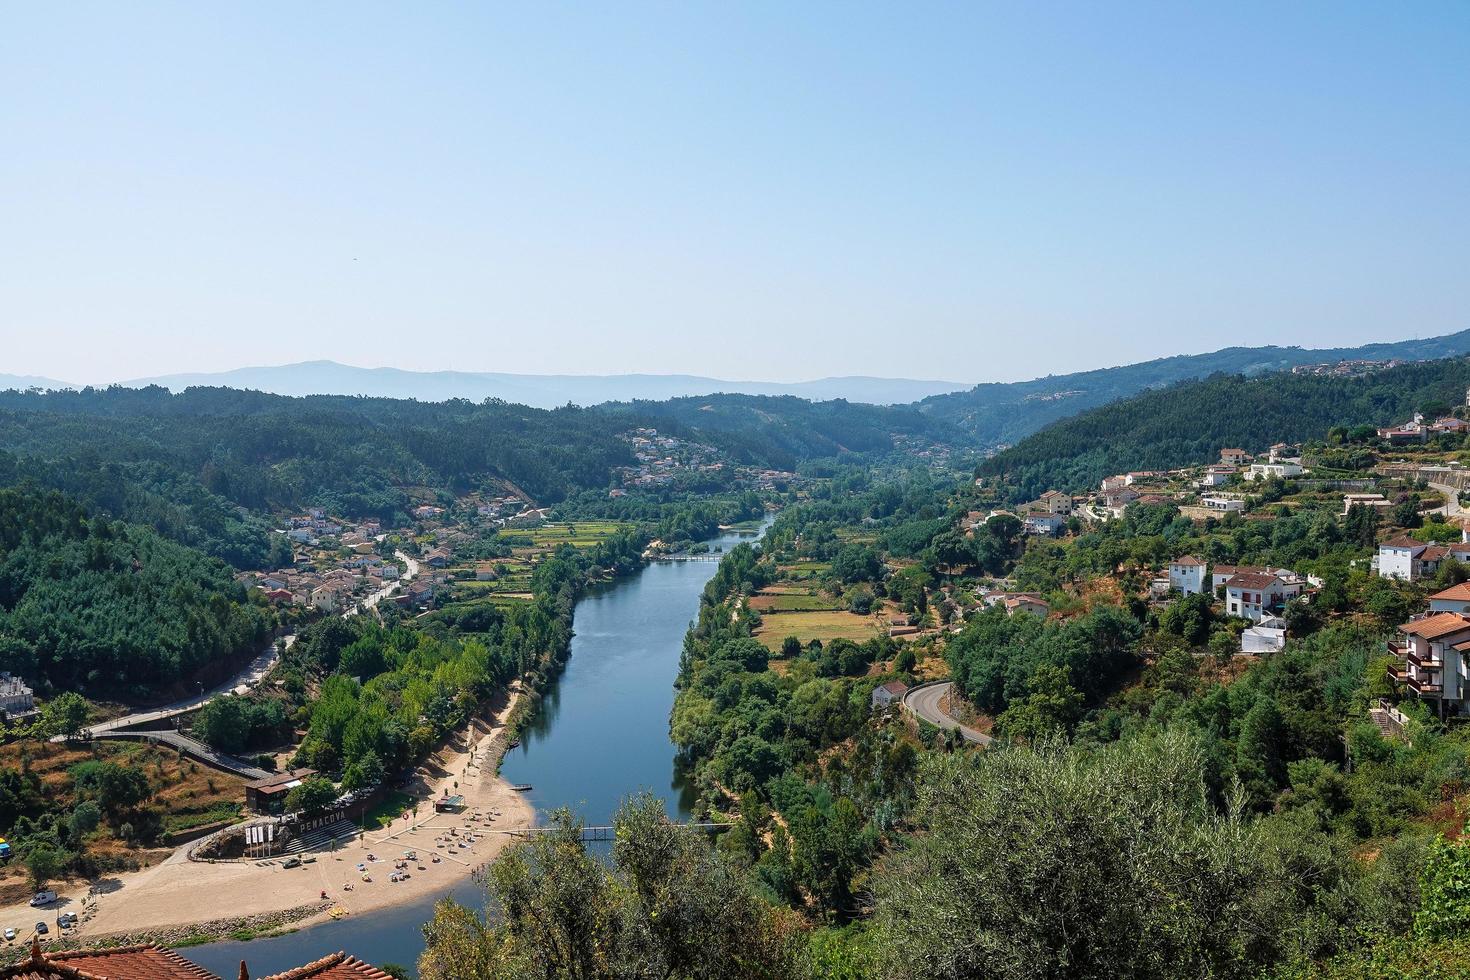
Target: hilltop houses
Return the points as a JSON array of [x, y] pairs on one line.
[[1234, 457]]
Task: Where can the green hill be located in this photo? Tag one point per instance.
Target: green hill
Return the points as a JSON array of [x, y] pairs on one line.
[[1002, 414], [1189, 422]]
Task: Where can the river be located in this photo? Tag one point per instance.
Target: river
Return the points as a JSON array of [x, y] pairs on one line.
[[601, 734]]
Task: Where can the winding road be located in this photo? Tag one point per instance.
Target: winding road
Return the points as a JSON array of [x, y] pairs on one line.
[[242, 683], [925, 702]]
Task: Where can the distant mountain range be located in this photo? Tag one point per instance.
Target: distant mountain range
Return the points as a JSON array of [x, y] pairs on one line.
[[23, 382], [990, 415], [536, 390], [1004, 414]]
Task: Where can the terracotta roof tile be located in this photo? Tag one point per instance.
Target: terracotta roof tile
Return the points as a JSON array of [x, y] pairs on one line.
[[338, 966], [123, 963], [1251, 580], [1436, 626], [1455, 593]]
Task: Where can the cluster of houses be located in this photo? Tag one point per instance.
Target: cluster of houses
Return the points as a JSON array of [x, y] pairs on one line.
[[310, 528], [1407, 560], [661, 458], [1256, 593], [1419, 430]]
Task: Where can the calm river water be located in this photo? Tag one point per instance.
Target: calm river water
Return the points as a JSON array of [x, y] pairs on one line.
[[602, 734]]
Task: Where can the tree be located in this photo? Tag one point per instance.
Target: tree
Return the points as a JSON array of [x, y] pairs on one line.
[[1120, 867], [668, 906], [1189, 617], [1053, 705], [84, 819], [65, 714], [44, 863], [365, 773], [224, 723], [312, 797], [114, 787]]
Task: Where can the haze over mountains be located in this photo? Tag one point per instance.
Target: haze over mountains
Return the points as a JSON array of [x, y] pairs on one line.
[[535, 390], [989, 414]]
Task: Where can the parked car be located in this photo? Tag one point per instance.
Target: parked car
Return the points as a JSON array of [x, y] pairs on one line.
[[9, 935], [66, 920], [41, 928], [43, 898]]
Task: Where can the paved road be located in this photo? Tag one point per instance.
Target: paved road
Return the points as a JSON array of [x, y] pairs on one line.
[[193, 748], [1451, 506], [246, 680], [925, 702], [242, 683]]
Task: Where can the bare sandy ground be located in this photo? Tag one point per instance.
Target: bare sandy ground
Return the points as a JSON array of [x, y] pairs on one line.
[[179, 892]]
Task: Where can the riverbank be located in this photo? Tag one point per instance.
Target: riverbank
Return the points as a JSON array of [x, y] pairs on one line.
[[180, 898]]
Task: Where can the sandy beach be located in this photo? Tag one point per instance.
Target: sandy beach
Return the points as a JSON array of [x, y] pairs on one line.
[[179, 892]]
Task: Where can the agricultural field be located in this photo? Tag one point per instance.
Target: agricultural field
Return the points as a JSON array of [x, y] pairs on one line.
[[834, 624], [579, 534]]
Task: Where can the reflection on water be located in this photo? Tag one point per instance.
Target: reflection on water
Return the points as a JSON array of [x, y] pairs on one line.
[[601, 734]]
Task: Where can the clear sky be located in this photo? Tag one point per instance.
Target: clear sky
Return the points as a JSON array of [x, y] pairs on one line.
[[780, 191]]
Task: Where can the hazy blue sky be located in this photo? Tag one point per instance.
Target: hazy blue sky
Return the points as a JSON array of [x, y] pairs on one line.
[[783, 190]]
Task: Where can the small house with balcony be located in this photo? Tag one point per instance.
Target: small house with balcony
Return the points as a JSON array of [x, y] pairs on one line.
[[1256, 595], [1432, 660]]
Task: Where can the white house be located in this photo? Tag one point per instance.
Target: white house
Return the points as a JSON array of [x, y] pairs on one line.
[[886, 694], [1050, 524], [1215, 476], [1256, 595], [1408, 560], [1029, 604], [1267, 636], [1222, 503], [1432, 662], [1281, 468], [1187, 574], [1234, 457]]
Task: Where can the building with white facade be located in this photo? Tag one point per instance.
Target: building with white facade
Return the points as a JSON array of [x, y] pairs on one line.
[[1431, 660], [1187, 575], [1256, 595]]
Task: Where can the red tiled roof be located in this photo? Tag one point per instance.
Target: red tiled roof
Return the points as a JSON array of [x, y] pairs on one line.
[[148, 962], [338, 966], [1187, 560], [1402, 542], [1455, 593], [1440, 624], [1251, 580]]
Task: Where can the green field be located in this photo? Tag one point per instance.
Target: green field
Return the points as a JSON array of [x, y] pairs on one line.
[[808, 626], [793, 603]]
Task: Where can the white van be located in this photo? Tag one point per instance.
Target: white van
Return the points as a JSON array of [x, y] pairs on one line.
[[43, 898]]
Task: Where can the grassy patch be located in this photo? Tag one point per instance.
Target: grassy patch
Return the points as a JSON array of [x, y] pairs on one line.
[[388, 809], [808, 626]]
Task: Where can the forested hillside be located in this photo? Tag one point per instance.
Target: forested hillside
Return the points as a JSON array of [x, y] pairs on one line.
[[781, 431], [205, 466], [112, 609], [1003, 414], [1190, 422]]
